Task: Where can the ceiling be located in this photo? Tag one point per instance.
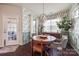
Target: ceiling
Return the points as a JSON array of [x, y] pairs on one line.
[[49, 8]]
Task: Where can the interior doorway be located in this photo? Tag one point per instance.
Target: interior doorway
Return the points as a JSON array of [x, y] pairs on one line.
[[11, 30]]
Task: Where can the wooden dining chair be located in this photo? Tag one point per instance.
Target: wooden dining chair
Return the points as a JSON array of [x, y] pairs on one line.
[[38, 47]]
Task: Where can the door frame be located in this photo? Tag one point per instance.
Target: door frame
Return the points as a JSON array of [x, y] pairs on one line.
[[5, 36]]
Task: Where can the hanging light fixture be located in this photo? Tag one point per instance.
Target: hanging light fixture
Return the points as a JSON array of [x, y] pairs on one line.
[[44, 15]]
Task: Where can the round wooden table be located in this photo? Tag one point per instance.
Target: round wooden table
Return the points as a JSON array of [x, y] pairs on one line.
[[43, 39]]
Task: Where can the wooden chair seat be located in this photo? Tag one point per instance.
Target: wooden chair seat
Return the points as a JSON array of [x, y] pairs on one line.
[[38, 48]]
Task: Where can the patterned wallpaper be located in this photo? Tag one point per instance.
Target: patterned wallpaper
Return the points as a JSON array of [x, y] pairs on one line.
[[74, 32]]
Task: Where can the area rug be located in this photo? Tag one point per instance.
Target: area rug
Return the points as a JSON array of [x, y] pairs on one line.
[[7, 49], [69, 52]]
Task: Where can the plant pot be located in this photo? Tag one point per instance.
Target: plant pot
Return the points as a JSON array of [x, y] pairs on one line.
[[63, 32]]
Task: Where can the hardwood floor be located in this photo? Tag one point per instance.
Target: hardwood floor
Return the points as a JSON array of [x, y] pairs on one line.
[[26, 50]]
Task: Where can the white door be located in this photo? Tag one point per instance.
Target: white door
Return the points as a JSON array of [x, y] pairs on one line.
[[11, 30]]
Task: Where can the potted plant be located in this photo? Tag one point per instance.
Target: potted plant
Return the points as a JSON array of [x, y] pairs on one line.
[[64, 25]]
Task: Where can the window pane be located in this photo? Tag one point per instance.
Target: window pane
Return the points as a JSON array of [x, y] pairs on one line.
[[51, 25], [12, 29]]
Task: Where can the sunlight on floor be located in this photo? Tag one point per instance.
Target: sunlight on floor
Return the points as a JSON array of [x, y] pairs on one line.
[[7, 49]]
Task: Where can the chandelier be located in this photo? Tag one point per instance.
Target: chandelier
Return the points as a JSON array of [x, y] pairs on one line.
[[43, 16]]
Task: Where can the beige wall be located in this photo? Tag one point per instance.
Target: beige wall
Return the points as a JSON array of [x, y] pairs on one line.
[[1, 28], [10, 10]]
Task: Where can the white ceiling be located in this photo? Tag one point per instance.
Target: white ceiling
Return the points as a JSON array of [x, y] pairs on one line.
[[49, 8]]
